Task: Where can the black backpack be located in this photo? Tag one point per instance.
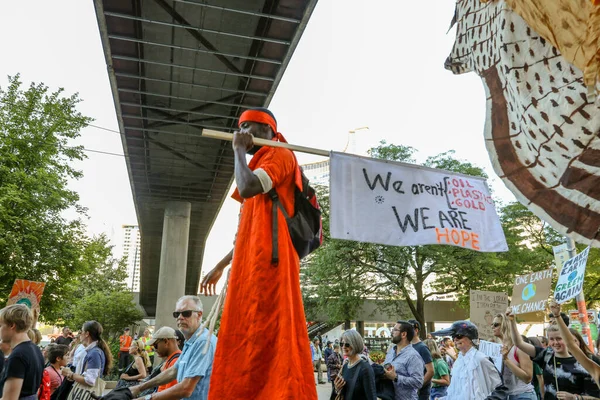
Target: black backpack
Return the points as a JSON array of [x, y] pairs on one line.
[[305, 226]]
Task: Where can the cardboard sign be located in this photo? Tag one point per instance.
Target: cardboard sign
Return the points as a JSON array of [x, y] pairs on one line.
[[575, 322], [484, 306], [399, 204], [26, 292], [570, 279], [492, 350], [531, 291], [561, 255]]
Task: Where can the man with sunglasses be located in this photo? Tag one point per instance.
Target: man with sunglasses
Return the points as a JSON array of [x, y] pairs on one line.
[[193, 368], [403, 365]]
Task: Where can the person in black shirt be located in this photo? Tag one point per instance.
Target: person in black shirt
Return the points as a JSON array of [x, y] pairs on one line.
[[562, 372], [66, 338], [22, 374], [425, 354]]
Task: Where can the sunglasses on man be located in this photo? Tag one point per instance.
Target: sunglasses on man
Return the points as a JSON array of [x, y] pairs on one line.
[[186, 313]]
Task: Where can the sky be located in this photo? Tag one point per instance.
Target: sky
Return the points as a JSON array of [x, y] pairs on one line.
[[377, 64]]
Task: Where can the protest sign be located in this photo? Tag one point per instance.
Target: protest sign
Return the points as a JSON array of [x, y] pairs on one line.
[[561, 254], [570, 279], [575, 322], [484, 305], [492, 350], [531, 291], [26, 292], [399, 204]]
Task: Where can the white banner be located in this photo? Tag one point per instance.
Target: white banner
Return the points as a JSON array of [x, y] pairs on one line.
[[401, 204], [570, 279]]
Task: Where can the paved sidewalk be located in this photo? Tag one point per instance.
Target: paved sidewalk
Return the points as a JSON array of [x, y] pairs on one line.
[[323, 390]]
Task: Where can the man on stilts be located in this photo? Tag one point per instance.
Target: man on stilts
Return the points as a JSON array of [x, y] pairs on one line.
[[263, 350]]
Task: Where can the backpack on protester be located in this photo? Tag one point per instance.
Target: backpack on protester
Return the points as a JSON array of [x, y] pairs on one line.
[[155, 372], [383, 386], [62, 392], [44, 392], [305, 226], [500, 392]]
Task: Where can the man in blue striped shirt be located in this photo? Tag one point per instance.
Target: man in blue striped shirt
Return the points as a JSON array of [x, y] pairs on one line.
[[406, 365]]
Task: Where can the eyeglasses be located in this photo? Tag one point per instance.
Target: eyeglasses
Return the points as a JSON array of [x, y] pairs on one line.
[[458, 337], [346, 345], [186, 313], [496, 324], [396, 330], [155, 344]]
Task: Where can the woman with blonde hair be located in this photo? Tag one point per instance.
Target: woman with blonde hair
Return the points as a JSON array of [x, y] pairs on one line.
[[138, 369], [441, 371], [517, 369]]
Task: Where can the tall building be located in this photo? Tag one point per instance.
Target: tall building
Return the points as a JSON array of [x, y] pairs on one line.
[[131, 250], [318, 172]]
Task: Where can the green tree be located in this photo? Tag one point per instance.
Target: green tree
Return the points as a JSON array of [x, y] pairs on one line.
[[36, 241], [100, 273], [112, 309]]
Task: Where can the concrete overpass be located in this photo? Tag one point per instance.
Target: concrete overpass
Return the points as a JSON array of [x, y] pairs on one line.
[[175, 68]]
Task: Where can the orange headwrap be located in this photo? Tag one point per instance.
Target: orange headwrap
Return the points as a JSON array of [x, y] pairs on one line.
[[262, 117]]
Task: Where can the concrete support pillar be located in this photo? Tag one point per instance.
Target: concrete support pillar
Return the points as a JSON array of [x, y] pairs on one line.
[[430, 327], [173, 261], [360, 328]]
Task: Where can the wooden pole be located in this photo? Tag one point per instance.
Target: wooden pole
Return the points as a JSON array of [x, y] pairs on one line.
[[209, 133]]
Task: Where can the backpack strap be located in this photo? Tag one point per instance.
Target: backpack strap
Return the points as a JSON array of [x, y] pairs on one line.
[[274, 231]]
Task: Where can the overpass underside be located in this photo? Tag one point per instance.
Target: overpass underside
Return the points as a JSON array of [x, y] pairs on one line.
[[175, 68]]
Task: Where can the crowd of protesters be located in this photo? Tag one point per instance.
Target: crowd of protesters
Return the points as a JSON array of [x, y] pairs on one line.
[[27, 372], [559, 366], [446, 366]]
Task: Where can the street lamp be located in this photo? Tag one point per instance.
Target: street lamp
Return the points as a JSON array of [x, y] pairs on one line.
[[351, 143]]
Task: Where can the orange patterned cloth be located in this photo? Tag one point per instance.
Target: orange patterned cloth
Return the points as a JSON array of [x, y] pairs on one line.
[[263, 350]]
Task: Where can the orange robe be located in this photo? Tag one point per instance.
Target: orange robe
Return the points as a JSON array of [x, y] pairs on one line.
[[263, 350]]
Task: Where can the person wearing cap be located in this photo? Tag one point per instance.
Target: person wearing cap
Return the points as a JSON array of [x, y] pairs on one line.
[[260, 291], [164, 341], [474, 376], [326, 353], [425, 354]]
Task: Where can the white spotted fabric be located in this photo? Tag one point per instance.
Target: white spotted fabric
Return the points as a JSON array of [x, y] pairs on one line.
[[542, 133]]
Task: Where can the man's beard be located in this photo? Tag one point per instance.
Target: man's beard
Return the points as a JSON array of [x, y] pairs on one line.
[[254, 149], [396, 339]]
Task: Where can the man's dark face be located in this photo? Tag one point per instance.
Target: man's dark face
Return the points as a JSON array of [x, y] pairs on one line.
[[257, 130]]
